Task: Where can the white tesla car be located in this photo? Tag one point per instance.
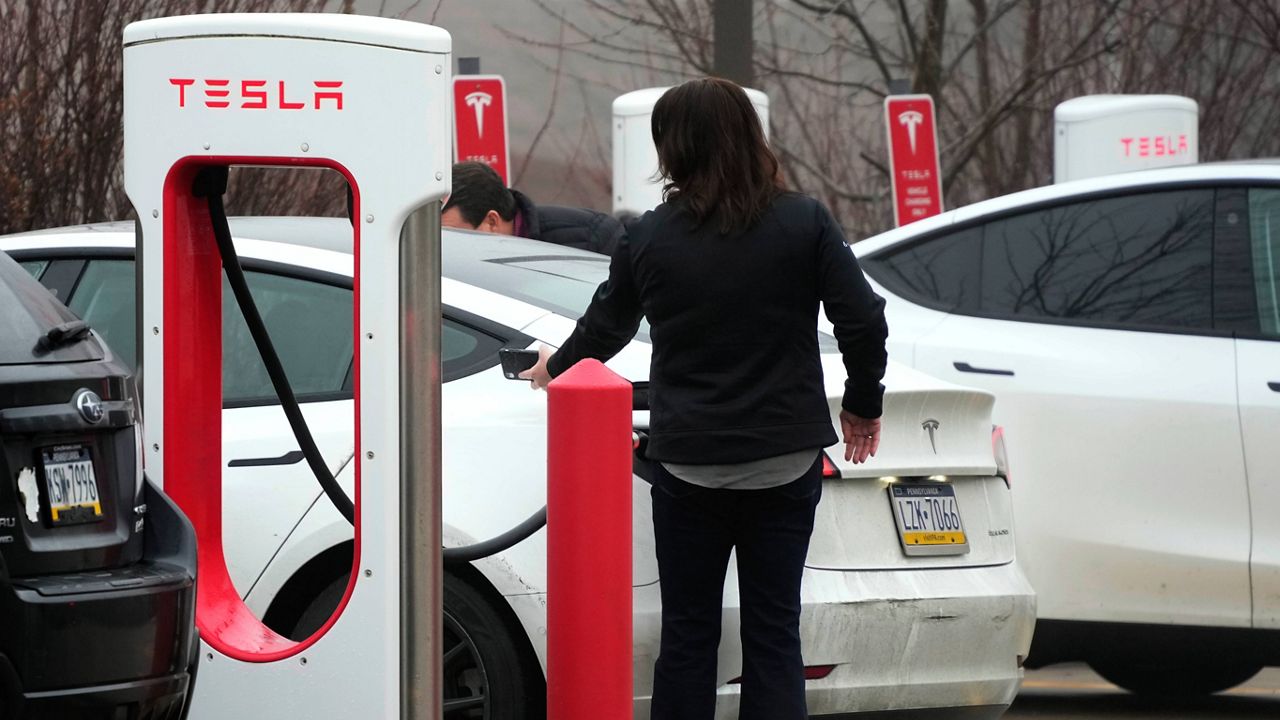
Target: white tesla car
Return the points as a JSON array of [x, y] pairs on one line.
[[900, 612], [1129, 327]]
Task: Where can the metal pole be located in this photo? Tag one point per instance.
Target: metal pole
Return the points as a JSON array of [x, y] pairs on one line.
[[734, 46], [421, 584]]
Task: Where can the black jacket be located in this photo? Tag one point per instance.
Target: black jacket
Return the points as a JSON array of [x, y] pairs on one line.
[[575, 227], [735, 372]]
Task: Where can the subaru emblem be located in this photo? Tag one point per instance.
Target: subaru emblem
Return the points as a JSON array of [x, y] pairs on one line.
[[89, 405]]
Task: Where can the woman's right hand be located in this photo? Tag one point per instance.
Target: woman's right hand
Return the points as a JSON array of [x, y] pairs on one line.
[[861, 436], [538, 375]]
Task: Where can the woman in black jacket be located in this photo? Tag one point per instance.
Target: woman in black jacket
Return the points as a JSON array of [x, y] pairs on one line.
[[730, 270]]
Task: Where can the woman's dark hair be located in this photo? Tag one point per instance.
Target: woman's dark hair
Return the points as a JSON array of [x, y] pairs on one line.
[[477, 189], [712, 154]]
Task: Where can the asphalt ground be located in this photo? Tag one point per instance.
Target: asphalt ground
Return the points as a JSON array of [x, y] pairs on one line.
[[1071, 691]]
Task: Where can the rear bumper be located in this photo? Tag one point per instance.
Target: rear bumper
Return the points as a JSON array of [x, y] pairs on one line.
[[104, 640], [912, 640], [160, 698], [943, 641]]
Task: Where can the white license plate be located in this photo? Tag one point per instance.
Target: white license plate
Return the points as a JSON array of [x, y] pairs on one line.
[[928, 519], [71, 486]]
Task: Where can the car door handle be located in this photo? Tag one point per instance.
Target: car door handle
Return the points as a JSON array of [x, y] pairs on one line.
[[1275, 386], [288, 458], [966, 367]]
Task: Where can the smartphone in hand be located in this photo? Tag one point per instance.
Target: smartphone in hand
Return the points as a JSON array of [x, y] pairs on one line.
[[516, 361]]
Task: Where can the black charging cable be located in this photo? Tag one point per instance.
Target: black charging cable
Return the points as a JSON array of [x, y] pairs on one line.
[[211, 183]]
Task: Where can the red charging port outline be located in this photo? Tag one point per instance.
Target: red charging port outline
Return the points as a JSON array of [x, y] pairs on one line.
[[192, 337]]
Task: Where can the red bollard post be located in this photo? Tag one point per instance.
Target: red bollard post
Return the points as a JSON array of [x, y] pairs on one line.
[[589, 545]]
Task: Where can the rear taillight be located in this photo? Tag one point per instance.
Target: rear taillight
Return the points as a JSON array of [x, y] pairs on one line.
[[1002, 455], [811, 672], [829, 469]]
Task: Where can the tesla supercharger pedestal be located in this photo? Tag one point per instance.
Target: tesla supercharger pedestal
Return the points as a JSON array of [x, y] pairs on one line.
[[636, 188], [1104, 134], [367, 98]]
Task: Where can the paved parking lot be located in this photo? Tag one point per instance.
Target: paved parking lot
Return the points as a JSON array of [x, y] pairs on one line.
[[1067, 692]]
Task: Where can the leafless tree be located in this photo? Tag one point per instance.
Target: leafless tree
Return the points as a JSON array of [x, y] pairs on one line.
[[61, 94], [996, 69]]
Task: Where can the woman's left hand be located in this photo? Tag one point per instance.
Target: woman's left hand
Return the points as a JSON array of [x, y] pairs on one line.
[[537, 375]]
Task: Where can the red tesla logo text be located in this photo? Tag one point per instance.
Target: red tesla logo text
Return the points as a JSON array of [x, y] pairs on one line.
[[1155, 146], [259, 94]]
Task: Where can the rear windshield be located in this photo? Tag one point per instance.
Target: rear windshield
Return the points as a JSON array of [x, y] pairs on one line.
[[563, 284], [27, 312]]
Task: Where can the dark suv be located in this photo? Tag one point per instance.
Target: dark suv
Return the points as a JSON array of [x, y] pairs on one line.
[[97, 567]]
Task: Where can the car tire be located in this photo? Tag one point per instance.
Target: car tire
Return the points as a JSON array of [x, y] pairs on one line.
[[485, 674], [1178, 677], [319, 610]]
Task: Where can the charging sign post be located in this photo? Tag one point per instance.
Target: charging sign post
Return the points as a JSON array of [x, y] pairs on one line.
[[368, 98], [480, 122], [914, 170]]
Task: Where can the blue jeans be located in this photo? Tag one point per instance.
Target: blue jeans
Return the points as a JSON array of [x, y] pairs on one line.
[[695, 528]]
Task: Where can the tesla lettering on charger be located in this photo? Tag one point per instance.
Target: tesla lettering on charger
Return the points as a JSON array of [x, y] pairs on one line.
[[259, 94], [480, 122], [913, 157]]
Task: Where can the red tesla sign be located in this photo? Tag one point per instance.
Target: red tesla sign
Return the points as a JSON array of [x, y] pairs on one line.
[[913, 157], [480, 121]]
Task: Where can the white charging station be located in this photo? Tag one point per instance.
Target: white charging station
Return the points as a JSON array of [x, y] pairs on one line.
[[635, 158], [1104, 134], [370, 99]]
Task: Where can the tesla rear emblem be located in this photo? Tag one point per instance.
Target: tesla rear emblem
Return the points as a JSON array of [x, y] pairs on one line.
[[89, 405], [931, 425]]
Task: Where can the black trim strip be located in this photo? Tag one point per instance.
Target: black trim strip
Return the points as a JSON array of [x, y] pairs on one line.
[[966, 367], [289, 458], [78, 252], [303, 399], [1275, 386]]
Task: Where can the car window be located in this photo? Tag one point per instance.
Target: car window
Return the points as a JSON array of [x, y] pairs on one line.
[[104, 299], [457, 342], [28, 316], [1264, 234], [61, 277], [309, 322], [465, 350], [311, 328], [944, 270], [35, 267], [1139, 260]]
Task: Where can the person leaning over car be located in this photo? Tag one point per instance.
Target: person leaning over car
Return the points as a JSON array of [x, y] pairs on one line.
[[480, 201], [730, 270]]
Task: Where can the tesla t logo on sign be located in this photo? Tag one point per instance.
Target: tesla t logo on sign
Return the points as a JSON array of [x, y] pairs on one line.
[[480, 121], [913, 157], [910, 119], [479, 100]]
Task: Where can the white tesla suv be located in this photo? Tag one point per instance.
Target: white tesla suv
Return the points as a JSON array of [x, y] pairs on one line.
[[1129, 327], [896, 616]]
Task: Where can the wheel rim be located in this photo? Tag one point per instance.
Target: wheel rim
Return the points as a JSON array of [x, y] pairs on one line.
[[466, 684]]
